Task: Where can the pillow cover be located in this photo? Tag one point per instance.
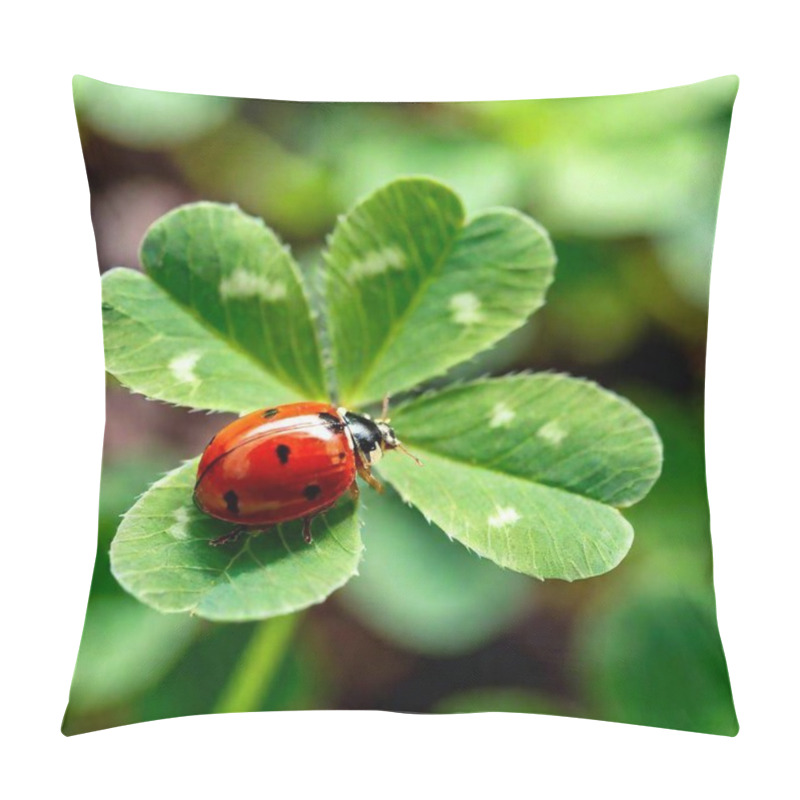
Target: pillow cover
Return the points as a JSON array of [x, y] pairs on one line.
[[525, 285]]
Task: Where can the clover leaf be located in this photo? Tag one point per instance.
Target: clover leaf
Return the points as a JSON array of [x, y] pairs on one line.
[[220, 319]]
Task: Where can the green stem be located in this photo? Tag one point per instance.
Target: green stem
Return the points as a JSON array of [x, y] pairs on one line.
[[258, 665]]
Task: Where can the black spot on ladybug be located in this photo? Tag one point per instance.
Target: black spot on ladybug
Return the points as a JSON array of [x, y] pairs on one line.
[[332, 422], [270, 412], [342, 456], [312, 491], [283, 451], [231, 501]]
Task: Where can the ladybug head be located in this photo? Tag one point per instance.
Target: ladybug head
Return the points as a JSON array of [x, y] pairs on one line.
[[389, 439], [372, 437]]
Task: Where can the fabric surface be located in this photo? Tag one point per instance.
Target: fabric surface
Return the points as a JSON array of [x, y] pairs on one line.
[[529, 281]]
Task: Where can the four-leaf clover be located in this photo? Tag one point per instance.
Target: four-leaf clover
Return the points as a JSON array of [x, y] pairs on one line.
[[526, 470]]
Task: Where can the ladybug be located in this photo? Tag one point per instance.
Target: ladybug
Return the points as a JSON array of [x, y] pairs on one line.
[[288, 462]]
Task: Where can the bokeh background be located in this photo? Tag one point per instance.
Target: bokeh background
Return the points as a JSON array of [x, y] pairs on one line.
[[628, 187]]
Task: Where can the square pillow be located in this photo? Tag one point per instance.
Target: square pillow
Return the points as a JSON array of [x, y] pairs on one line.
[[494, 313]]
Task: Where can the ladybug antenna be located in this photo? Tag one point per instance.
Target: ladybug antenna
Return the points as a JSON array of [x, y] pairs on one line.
[[385, 408], [402, 449]]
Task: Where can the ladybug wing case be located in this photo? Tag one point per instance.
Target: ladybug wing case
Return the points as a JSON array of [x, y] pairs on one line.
[[276, 465]]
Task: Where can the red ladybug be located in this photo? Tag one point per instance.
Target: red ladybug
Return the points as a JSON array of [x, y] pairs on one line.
[[288, 462]]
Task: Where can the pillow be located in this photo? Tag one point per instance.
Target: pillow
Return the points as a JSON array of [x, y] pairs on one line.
[[494, 314]]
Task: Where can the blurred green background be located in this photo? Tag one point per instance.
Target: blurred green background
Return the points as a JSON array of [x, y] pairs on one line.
[[628, 187]]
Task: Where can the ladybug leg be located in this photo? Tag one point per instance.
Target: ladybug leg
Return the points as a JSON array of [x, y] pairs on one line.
[[307, 521], [365, 473], [354, 490], [307, 529], [231, 536]]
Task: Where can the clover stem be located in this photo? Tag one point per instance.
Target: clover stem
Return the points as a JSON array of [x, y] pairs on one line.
[[257, 666]]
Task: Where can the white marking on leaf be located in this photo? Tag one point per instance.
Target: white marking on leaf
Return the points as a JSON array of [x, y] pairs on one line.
[[182, 367], [378, 261], [466, 308], [241, 284], [553, 433], [504, 516], [180, 528], [501, 417]]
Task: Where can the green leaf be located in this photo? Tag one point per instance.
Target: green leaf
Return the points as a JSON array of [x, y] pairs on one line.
[[161, 556], [220, 322], [424, 592], [156, 348], [146, 119], [414, 289], [528, 470], [125, 648], [657, 659], [240, 159]]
